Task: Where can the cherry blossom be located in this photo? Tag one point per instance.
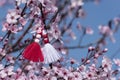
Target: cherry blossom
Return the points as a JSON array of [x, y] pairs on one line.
[[3, 74], [107, 31], [71, 34], [77, 76], [12, 17], [35, 10], [21, 1], [1, 67], [49, 6], [89, 31], [9, 57], [9, 70], [54, 32], [28, 67], [23, 21], [79, 26], [81, 13], [76, 3], [117, 61], [89, 75], [116, 21], [2, 52], [5, 26], [106, 64]]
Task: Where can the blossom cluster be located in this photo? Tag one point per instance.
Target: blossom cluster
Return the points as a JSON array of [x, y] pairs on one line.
[[57, 18], [35, 71]]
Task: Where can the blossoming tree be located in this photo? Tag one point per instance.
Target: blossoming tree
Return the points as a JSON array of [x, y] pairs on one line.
[[34, 42]]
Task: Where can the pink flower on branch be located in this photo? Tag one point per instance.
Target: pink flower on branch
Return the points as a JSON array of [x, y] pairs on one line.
[[12, 17], [75, 3], [106, 64], [105, 30], [117, 61], [89, 31], [21, 1]]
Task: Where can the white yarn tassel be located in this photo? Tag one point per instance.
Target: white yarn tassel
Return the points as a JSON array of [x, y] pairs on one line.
[[50, 54]]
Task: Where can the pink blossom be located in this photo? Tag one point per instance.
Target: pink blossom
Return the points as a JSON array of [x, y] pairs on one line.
[[82, 68], [18, 71], [97, 1], [77, 76], [1, 67], [46, 71], [3, 74], [105, 50], [82, 13], [106, 64], [64, 51], [116, 21], [92, 68], [22, 21], [70, 76], [37, 27], [6, 72], [72, 61], [89, 31], [9, 70], [65, 73], [72, 34], [8, 27], [35, 10], [2, 52], [13, 29], [54, 32], [12, 17], [91, 48], [79, 26], [31, 76], [96, 55], [75, 3], [21, 1], [21, 77], [113, 78], [89, 75], [1, 38], [20, 28], [53, 78], [107, 31], [5, 26], [28, 67], [117, 61], [49, 7], [10, 59]]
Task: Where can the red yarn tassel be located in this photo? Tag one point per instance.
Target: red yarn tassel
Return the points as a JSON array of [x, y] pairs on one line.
[[33, 52]]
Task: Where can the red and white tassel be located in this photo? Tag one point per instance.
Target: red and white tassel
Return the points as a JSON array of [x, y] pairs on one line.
[[49, 52], [33, 51]]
